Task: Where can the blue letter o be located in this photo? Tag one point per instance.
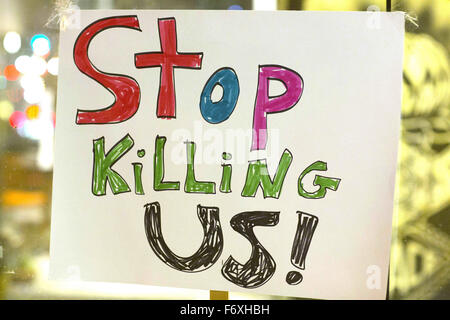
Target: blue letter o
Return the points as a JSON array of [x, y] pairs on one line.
[[216, 112]]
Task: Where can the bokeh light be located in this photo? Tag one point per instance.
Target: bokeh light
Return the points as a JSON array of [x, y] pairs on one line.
[[31, 65], [54, 119], [40, 44], [22, 63], [31, 81], [34, 88], [37, 66], [6, 109], [32, 112], [3, 82], [33, 95], [52, 66], [17, 119], [12, 42], [11, 73], [36, 130]]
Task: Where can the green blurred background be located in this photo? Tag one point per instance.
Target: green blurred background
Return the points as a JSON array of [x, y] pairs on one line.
[[420, 266]]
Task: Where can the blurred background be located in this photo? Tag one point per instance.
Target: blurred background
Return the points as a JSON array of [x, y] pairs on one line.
[[420, 255]]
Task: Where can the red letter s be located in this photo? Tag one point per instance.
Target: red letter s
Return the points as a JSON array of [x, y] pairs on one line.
[[125, 89]]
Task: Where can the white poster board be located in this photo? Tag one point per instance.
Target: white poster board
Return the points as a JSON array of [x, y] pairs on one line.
[[228, 150]]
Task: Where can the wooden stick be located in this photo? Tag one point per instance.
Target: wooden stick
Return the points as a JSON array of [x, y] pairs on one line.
[[218, 295]]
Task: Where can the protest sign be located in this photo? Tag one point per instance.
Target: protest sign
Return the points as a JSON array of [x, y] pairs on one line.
[[240, 151]]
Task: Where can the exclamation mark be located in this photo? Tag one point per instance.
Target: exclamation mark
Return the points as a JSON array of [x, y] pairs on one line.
[[306, 226]]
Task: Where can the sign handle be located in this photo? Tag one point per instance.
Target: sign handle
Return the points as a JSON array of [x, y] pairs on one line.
[[218, 295]]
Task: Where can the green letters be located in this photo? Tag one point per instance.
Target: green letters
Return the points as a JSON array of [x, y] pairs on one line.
[[103, 163], [257, 174], [158, 168], [191, 185], [324, 182]]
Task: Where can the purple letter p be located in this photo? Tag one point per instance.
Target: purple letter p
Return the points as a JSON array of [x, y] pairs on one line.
[[265, 104]]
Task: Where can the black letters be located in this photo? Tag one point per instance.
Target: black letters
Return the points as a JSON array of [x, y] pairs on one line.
[[261, 266], [209, 250]]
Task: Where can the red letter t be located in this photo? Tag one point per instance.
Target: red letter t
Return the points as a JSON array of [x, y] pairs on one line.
[[167, 59]]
